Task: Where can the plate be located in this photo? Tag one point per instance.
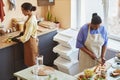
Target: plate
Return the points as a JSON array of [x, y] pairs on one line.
[[42, 70], [116, 65], [117, 60]]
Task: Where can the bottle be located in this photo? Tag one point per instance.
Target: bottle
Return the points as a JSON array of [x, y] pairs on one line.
[[39, 60]]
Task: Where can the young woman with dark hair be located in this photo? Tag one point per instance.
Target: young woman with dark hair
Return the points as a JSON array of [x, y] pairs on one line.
[[29, 34]]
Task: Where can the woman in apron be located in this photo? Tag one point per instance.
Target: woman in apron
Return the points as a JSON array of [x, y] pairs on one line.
[[92, 41], [29, 35]]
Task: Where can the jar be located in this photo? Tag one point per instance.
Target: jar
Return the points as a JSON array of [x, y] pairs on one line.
[[21, 25], [2, 30], [14, 29]]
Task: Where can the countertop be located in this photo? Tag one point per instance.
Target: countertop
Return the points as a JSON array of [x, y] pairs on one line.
[[3, 38], [27, 75]]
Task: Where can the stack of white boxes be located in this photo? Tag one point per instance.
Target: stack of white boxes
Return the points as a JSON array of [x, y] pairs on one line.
[[68, 60]]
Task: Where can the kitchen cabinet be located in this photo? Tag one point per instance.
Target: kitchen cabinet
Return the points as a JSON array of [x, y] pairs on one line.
[[45, 46], [11, 60], [19, 57], [6, 63]]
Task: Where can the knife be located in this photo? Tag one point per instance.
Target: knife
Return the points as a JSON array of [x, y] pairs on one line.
[[98, 61]]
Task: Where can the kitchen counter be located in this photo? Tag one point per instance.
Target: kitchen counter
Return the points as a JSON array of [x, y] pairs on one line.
[[3, 38]]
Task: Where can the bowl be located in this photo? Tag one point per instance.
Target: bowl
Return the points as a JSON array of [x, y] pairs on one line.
[[118, 55]]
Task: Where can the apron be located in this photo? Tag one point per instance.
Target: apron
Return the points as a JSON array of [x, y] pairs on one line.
[[94, 43], [30, 51]]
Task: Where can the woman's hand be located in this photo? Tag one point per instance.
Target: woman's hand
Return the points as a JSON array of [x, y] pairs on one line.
[[21, 34], [103, 60], [15, 39], [92, 56]]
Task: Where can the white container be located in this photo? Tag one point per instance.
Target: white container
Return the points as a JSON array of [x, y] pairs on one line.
[[67, 53], [67, 38], [69, 33], [69, 67]]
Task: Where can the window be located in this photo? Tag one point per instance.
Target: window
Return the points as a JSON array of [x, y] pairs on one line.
[[114, 19], [82, 12], [109, 11], [74, 14]]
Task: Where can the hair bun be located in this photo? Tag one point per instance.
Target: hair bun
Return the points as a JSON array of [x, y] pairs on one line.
[[94, 14], [33, 8], [96, 19]]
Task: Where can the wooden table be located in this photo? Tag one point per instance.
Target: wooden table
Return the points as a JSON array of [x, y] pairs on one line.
[[27, 75]]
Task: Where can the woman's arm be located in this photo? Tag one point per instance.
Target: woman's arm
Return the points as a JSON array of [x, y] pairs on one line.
[[104, 48], [88, 52], [27, 33]]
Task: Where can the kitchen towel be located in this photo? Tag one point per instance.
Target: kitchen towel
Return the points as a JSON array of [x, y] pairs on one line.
[[2, 13]]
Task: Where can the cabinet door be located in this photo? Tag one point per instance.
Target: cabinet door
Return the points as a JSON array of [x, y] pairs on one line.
[[46, 45], [19, 56], [6, 63], [46, 41]]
